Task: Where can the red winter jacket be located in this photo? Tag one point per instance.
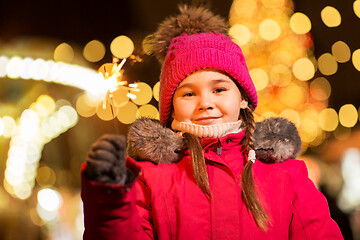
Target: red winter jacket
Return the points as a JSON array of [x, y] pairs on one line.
[[166, 203]]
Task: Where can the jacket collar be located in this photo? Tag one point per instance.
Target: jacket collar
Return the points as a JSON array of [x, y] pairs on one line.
[[276, 139]]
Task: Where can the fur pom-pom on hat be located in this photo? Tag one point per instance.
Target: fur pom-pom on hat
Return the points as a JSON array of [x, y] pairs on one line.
[[190, 20]]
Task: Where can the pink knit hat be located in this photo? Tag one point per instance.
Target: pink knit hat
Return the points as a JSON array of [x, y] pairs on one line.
[[189, 53]]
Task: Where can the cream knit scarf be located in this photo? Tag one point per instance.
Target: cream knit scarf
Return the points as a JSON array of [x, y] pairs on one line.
[[202, 131]]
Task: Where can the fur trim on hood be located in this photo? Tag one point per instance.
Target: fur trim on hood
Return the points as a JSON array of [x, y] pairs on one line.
[[276, 139]]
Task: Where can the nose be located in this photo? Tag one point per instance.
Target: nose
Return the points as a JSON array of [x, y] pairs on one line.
[[205, 103]]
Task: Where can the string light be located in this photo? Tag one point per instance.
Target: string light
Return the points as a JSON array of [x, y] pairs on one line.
[[30, 135]]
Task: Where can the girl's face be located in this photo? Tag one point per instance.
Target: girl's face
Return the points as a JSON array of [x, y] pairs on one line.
[[207, 97]]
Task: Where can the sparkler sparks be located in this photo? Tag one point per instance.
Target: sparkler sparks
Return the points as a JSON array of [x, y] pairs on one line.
[[112, 74]]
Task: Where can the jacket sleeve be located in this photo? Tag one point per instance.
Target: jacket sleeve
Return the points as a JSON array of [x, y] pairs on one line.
[[116, 211], [310, 212]]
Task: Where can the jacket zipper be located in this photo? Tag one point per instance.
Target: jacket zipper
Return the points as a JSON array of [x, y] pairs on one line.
[[219, 148]]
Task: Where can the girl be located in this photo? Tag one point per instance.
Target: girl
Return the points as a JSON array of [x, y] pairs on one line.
[[195, 175]]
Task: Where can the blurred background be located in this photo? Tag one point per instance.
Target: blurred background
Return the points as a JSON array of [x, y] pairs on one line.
[[304, 57]]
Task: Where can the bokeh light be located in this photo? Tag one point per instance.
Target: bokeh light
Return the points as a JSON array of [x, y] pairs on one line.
[[287, 95], [94, 51], [45, 105], [341, 51], [356, 7], [331, 16], [106, 112], [63, 53], [147, 45], [320, 89], [122, 47], [348, 115], [143, 93], [244, 8], [240, 34], [269, 29], [49, 199], [156, 91], [327, 64], [259, 77], [356, 59], [291, 115], [85, 106], [328, 119], [3, 63], [300, 23], [280, 75], [148, 111], [303, 69], [127, 113], [45, 176], [9, 126]]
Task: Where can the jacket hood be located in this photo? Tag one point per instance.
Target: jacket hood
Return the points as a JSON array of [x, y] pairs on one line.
[[276, 139]]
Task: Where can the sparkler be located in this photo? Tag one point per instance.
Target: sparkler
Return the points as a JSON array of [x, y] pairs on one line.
[[112, 74]]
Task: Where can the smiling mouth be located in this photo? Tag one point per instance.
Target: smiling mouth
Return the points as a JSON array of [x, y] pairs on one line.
[[206, 120]]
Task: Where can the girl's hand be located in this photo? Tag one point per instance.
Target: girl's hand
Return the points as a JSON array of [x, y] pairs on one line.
[[105, 161]]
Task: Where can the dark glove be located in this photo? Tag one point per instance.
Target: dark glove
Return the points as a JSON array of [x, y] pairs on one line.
[[105, 161]]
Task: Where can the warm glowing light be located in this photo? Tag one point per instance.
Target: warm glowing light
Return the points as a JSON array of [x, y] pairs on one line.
[[245, 8], [63, 53], [292, 95], [149, 111], [49, 199], [156, 90], [94, 51], [341, 51], [1, 127], [291, 115], [300, 23], [303, 69], [85, 106], [328, 119], [45, 105], [356, 59], [269, 29], [327, 64], [14, 67], [67, 116], [107, 112], [45, 176], [320, 89], [143, 94], [127, 113], [331, 16], [122, 47], [240, 34], [356, 7], [280, 75], [3, 63], [342, 133], [308, 130], [259, 77], [147, 45], [348, 115], [273, 3], [9, 126]]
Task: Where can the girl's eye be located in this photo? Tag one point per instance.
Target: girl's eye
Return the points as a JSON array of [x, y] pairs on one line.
[[190, 94], [218, 90]]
